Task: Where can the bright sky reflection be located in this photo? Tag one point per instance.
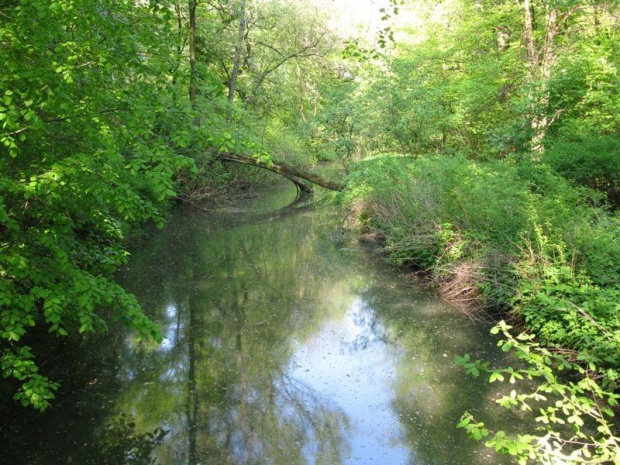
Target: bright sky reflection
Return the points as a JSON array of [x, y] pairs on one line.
[[172, 328], [348, 364]]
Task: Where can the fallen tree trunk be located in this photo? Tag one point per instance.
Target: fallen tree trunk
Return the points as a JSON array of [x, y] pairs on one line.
[[294, 175]]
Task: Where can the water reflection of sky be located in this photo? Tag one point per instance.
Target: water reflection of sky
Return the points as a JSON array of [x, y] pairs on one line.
[[172, 328], [348, 364]]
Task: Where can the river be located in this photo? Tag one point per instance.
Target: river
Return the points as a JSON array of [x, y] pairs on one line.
[[285, 343]]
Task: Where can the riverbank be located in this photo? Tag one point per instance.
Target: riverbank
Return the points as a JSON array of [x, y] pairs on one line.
[[514, 241]]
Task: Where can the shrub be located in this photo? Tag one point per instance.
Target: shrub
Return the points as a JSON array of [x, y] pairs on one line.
[[592, 161]]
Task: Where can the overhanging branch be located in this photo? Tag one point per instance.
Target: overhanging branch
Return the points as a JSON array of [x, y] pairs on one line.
[[294, 175]]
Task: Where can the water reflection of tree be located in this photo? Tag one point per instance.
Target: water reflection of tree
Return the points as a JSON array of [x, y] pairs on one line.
[[120, 443], [239, 296]]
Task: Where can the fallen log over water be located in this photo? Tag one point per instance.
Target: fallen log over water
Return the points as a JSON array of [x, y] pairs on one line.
[[293, 174]]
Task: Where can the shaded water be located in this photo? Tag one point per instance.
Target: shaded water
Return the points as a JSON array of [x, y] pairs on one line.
[[284, 344]]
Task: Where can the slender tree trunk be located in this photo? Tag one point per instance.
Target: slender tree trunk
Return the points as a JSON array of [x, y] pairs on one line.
[[193, 78], [539, 61], [528, 36], [182, 41], [302, 110], [503, 38], [238, 51], [541, 120]]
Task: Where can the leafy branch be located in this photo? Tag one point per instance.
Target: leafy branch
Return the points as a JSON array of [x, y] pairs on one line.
[[575, 413]]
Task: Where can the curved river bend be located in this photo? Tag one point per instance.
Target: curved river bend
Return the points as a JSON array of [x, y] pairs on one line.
[[283, 344]]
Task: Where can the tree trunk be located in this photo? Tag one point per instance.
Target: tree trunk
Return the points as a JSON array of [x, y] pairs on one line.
[[238, 51], [503, 38], [294, 175], [193, 78], [539, 62], [541, 120], [302, 110], [528, 36]]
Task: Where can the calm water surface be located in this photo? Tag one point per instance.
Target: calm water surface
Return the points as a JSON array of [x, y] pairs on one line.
[[284, 344]]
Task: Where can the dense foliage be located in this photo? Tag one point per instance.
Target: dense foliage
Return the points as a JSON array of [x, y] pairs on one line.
[[81, 158], [504, 115], [108, 109]]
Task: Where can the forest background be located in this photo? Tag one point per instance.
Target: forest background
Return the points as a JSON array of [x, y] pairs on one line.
[[480, 140]]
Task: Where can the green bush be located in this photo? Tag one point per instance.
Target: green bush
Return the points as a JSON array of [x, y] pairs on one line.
[[592, 161]]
